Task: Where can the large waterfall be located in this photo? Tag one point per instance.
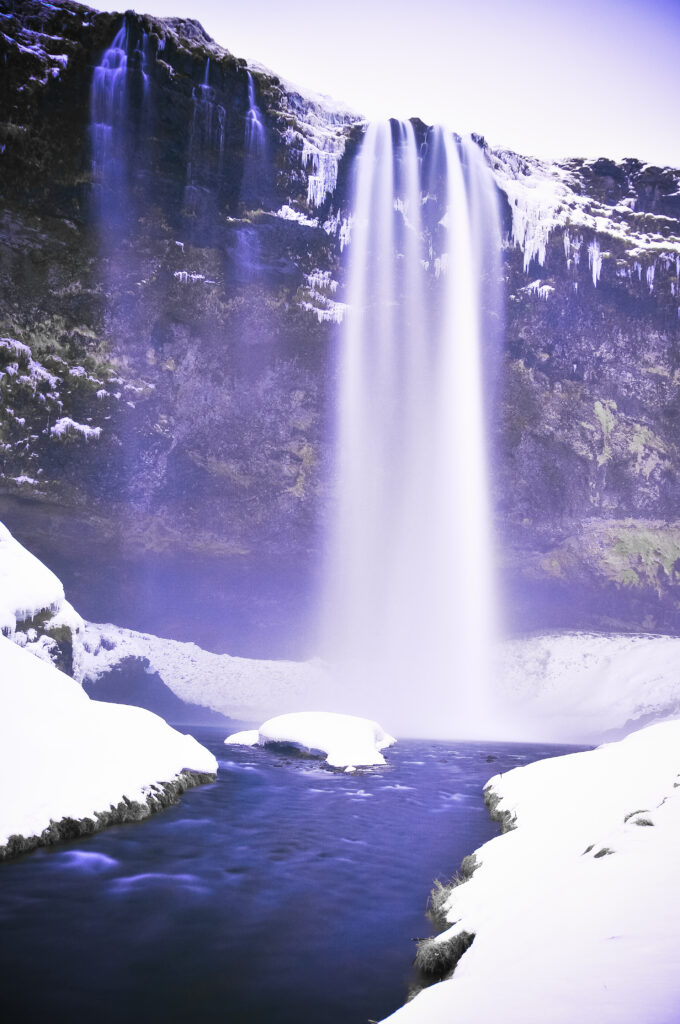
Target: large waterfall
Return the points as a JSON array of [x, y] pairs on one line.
[[410, 615]]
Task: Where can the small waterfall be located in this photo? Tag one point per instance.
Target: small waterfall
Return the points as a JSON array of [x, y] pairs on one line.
[[108, 97], [206, 141], [118, 109], [410, 609], [255, 131]]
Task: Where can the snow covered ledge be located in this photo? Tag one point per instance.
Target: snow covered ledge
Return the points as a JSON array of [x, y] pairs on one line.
[[572, 914], [347, 741], [72, 765]]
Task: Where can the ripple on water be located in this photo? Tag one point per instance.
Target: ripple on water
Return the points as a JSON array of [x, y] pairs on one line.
[[157, 879], [84, 860], [183, 823], [238, 766]]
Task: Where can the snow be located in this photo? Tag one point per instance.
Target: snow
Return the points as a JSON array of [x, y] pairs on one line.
[[568, 687], [288, 213], [65, 425], [330, 312], [341, 227], [240, 687], [317, 291], [69, 756], [574, 910], [543, 291], [544, 196], [583, 687], [26, 585], [66, 755], [37, 373], [324, 176], [347, 741], [184, 276]]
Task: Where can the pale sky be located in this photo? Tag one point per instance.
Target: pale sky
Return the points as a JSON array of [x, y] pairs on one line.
[[571, 78]]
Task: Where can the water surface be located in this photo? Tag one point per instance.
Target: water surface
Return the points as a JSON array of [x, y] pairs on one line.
[[284, 892]]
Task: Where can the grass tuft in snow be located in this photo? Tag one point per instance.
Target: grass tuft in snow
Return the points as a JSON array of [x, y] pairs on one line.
[[436, 959], [441, 891], [641, 810]]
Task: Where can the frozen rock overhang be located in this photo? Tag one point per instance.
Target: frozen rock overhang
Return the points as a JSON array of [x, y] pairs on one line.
[[573, 910], [68, 759], [347, 741], [546, 195]]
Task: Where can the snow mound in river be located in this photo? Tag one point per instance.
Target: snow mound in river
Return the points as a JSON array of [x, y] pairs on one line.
[[347, 741]]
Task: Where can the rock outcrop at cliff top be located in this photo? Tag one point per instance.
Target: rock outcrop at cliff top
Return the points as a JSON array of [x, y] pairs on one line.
[[174, 370]]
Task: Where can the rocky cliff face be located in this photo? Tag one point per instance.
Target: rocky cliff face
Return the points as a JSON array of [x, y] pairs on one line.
[[167, 334]]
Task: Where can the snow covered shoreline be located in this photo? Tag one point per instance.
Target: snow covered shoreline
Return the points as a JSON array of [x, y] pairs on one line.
[[76, 765], [571, 912], [72, 765], [157, 797]]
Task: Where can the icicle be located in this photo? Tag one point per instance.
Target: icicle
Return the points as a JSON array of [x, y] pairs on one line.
[[595, 260]]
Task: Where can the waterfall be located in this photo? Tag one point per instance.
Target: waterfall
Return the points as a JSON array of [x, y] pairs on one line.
[[206, 141], [410, 615], [255, 131], [118, 107], [258, 172], [108, 103]]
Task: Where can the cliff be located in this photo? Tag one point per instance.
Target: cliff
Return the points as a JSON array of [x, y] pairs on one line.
[[168, 362]]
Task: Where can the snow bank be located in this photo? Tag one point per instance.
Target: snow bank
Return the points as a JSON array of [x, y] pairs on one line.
[[239, 687], [584, 687], [574, 910], [26, 585], [63, 755], [346, 741], [570, 687]]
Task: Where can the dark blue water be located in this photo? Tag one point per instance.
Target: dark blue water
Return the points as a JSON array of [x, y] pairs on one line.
[[282, 893]]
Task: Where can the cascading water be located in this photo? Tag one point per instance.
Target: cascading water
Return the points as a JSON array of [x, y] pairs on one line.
[[206, 140], [118, 107], [107, 102], [410, 613], [255, 132]]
